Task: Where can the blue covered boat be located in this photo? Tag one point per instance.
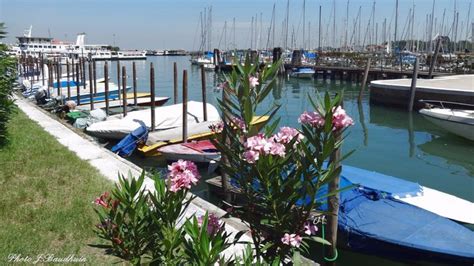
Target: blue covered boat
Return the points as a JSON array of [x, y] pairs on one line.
[[389, 217], [303, 72], [372, 220]]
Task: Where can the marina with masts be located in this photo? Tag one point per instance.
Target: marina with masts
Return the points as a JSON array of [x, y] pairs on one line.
[[407, 81]]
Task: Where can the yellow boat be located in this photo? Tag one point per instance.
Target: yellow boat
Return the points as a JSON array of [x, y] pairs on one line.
[[152, 149]]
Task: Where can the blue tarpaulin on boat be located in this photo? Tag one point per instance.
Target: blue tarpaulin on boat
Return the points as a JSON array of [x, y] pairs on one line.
[[385, 226], [395, 187], [128, 144], [372, 221]]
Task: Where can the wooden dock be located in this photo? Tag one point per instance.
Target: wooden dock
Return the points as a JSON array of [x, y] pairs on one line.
[[396, 92], [351, 74]]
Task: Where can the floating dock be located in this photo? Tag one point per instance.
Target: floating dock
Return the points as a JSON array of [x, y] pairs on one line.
[[396, 92]]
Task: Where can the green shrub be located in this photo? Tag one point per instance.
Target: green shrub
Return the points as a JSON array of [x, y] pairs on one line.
[[7, 80]]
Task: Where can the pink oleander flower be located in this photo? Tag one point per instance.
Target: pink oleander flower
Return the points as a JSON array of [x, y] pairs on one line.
[[182, 174], [217, 127], [239, 123], [253, 81], [256, 143], [287, 134], [251, 156], [340, 119], [293, 240], [312, 118], [310, 228], [277, 149], [103, 200], [214, 225]]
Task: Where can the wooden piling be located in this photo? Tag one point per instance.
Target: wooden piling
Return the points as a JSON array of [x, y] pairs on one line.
[[333, 204], [175, 84], [364, 81], [134, 77], [84, 73], [333, 201], [42, 71], [106, 84], [124, 90], [36, 69], [68, 80], [185, 106], [434, 58], [58, 76], [203, 87], [91, 91], [224, 161], [94, 76], [118, 78], [72, 68], [413, 86], [78, 86], [152, 95]]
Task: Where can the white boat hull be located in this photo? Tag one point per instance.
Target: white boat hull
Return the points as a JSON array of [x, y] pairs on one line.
[[459, 122]]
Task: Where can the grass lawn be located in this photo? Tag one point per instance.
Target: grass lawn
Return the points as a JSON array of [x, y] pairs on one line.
[[46, 195]]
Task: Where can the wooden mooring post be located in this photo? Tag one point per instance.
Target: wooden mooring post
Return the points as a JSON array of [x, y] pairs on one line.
[[68, 81], [124, 90], [185, 106], [118, 78], [94, 76], [224, 178], [84, 74], [106, 87], [364, 81], [175, 82], [42, 71], [204, 98], [58, 79], [91, 91], [134, 77], [434, 58], [152, 95], [413, 86], [78, 86], [333, 203]]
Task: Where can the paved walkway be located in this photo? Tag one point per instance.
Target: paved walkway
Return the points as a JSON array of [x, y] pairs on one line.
[[110, 164]]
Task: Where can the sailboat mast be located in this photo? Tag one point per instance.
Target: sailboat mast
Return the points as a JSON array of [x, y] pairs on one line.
[[412, 28], [286, 27], [319, 31], [304, 23], [334, 25], [396, 22], [431, 27], [347, 24]]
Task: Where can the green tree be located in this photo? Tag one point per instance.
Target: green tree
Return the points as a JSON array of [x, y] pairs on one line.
[[7, 80]]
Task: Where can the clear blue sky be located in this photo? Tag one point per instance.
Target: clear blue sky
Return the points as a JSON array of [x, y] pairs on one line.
[[161, 24]]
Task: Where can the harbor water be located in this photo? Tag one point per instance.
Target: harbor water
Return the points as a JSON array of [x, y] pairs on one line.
[[386, 140]]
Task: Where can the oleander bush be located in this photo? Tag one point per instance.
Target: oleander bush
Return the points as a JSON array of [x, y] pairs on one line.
[[7, 80], [279, 173]]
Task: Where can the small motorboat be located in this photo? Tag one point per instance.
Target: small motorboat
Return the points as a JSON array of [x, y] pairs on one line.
[[456, 121], [201, 151], [302, 72]]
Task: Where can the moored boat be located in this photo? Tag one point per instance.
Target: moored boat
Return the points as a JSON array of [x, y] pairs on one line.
[[302, 72], [456, 121], [202, 151]]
